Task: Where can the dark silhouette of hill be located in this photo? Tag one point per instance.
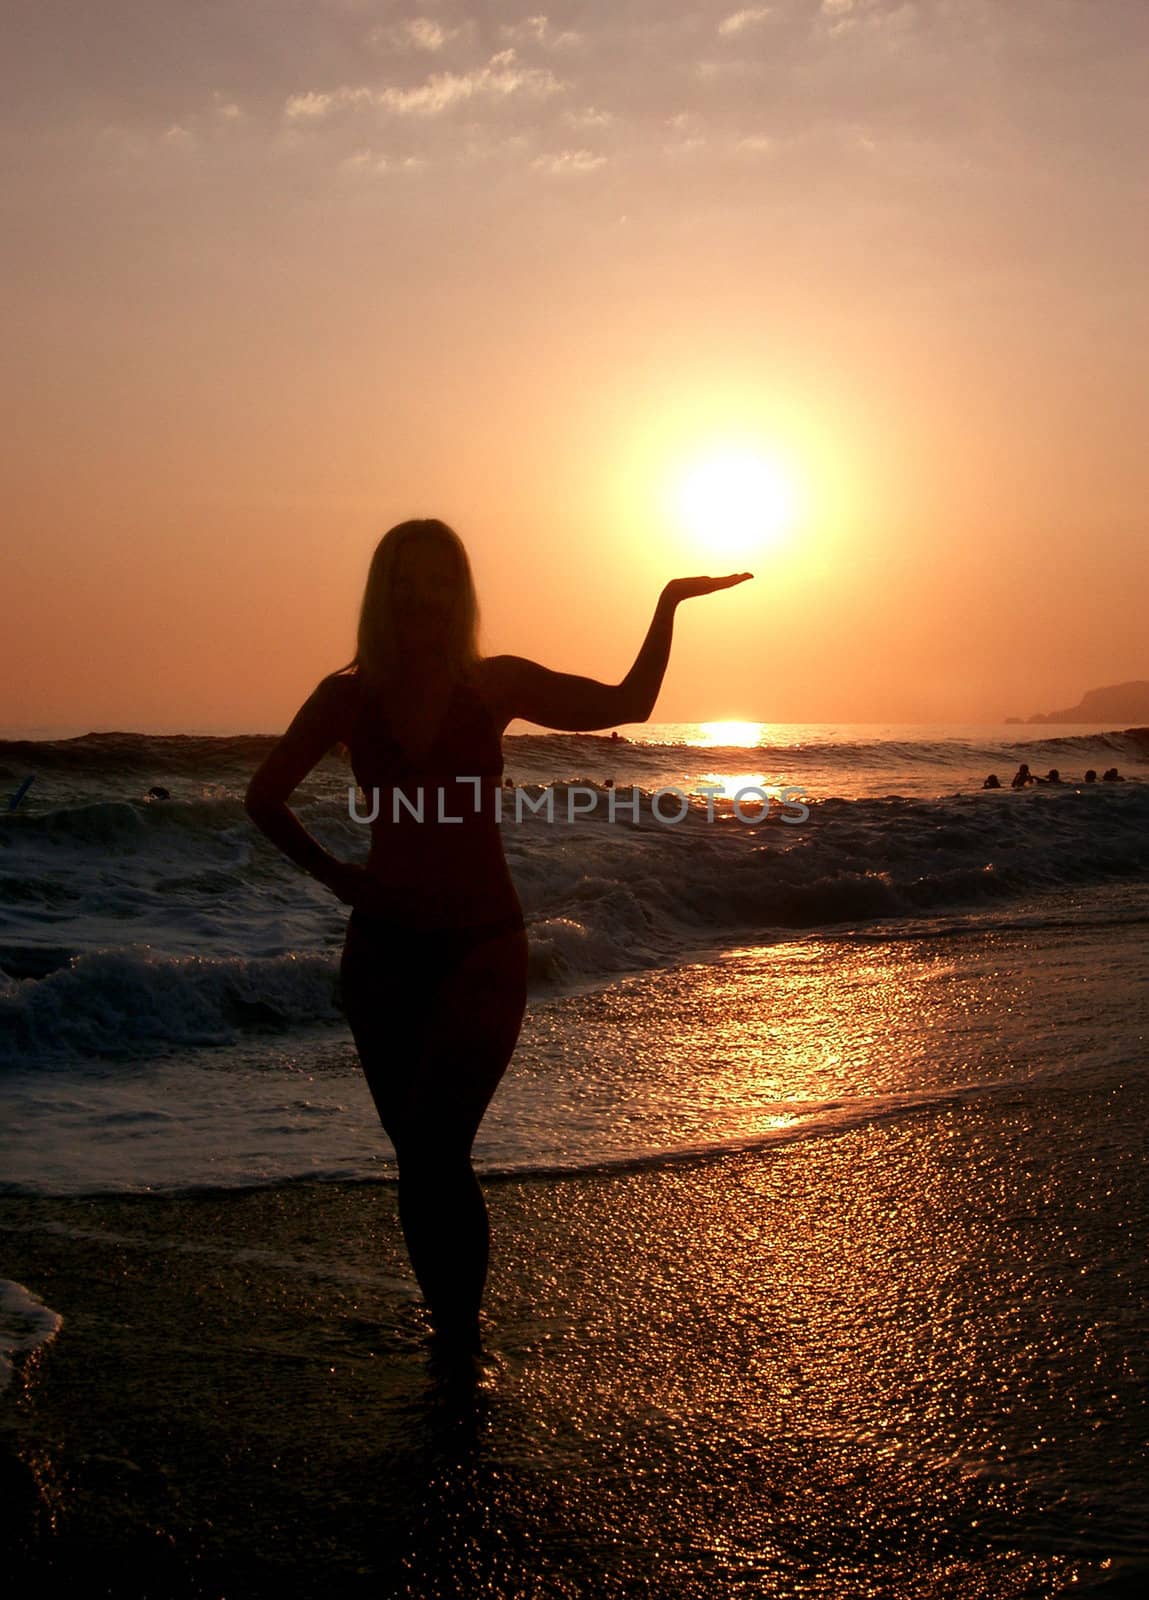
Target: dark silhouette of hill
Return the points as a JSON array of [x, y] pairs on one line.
[[1119, 703]]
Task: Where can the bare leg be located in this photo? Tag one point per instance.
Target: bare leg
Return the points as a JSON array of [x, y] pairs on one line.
[[444, 1218], [434, 1041]]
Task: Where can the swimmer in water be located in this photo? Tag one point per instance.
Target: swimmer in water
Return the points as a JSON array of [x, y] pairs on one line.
[[434, 964]]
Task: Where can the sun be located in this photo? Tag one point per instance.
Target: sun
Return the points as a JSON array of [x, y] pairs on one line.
[[734, 501]]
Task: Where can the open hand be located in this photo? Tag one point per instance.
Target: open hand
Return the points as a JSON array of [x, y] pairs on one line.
[[686, 588]]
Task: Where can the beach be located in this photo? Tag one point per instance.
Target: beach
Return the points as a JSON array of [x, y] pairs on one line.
[[903, 1360], [817, 1188]]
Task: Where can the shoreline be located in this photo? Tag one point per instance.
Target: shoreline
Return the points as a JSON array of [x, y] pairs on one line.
[[894, 1360]]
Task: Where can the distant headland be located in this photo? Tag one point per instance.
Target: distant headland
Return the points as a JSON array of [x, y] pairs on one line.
[[1126, 703]]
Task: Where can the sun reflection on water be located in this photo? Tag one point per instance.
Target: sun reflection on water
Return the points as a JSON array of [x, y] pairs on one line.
[[732, 735]]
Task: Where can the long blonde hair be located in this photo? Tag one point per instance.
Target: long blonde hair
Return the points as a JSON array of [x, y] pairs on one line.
[[376, 658]]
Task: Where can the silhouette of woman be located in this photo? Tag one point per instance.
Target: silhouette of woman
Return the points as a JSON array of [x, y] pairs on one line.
[[434, 964]]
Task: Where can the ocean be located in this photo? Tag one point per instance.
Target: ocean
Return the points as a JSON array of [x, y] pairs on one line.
[[787, 942]]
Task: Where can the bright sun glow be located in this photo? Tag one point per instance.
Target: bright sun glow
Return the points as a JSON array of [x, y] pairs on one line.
[[735, 502], [741, 734]]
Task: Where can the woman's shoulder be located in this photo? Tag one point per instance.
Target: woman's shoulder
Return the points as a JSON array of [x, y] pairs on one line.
[[342, 684], [492, 677], [339, 695]]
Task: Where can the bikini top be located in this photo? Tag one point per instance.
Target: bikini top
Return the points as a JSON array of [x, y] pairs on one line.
[[466, 745]]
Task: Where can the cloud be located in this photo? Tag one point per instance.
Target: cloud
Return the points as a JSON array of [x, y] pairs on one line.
[[502, 78], [526, 28], [589, 117], [370, 163], [414, 33], [844, 16], [739, 21], [537, 30], [568, 163], [301, 107], [427, 34], [971, 80]]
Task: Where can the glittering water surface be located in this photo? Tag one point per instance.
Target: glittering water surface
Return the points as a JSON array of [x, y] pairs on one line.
[[818, 1184], [906, 1359], [752, 1044]]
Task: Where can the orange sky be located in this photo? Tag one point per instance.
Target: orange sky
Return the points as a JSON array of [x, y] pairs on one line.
[[282, 274]]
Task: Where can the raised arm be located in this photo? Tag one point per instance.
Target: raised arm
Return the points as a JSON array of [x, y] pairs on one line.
[[574, 704], [319, 724]]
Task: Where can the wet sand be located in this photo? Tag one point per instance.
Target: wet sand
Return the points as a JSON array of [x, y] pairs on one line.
[[906, 1360]]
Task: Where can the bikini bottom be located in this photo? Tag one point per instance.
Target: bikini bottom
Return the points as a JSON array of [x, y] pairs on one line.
[[435, 949]]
